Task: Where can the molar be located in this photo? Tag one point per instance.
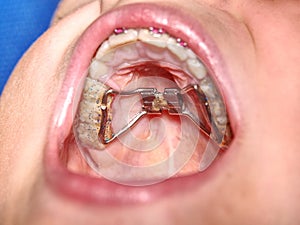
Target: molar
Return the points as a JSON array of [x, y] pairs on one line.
[[218, 108], [221, 120], [208, 88], [90, 118], [86, 108], [91, 88], [88, 135]]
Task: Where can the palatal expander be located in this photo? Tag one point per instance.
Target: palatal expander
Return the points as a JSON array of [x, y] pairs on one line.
[[94, 115]]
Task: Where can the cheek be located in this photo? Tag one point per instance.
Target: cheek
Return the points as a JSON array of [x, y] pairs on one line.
[[27, 102], [25, 110], [66, 7]]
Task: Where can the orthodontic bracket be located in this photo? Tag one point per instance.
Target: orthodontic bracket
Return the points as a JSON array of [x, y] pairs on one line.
[[154, 102], [155, 31]]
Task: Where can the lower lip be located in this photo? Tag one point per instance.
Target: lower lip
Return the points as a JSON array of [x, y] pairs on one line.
[[100, 191]]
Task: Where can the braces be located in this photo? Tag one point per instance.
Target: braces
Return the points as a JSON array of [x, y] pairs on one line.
[[154, 103], [155, 31]]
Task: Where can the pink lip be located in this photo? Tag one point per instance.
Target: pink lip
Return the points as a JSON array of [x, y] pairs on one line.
[[101, 191]]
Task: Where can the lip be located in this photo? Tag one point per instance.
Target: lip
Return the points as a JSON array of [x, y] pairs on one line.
[[100, 191]]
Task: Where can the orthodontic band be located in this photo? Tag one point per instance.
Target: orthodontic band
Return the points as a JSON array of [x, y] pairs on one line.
[[171, 100]]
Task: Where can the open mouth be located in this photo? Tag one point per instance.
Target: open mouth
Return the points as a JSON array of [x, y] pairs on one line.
[[142, 103]]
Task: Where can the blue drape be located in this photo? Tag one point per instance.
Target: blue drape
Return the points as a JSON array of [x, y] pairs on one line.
[[21, 23]]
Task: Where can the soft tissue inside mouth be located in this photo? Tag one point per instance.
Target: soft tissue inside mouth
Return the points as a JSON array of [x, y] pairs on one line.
[[158, 146]]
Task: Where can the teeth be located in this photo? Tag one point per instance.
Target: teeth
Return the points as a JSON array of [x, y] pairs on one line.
[[208, 88], [218, 108], [120, 39], [158, 40], [90, 114], [88, 110], [109, 55], [88, 134], [222, 120], [191, 54], [91, 88], [139, 45], [87, 117], [177, 49], [196, 68], [98, 69], [104, 48]]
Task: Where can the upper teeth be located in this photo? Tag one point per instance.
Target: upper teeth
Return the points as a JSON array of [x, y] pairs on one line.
[[140, 45], [120, 39], [196, 68], [157, 42]]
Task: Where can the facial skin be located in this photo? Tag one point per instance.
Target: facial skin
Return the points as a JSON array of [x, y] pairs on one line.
[[260, 179]]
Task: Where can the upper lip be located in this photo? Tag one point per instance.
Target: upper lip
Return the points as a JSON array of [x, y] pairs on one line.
[[176, 23]]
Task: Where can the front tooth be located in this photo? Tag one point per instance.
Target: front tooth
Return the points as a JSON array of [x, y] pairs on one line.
[[158, 41], [176, 49], [196, 68], [120, 39], [98, 69]]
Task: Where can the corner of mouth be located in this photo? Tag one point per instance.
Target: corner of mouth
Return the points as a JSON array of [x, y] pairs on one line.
[[139, 15]]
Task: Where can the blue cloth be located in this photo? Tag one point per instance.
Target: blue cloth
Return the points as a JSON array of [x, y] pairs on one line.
[[21, 23]]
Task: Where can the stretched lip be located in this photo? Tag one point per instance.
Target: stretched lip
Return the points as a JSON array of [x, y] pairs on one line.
[[101, 191]]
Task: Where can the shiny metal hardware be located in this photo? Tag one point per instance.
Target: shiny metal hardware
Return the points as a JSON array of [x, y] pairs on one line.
[[171, 100]]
